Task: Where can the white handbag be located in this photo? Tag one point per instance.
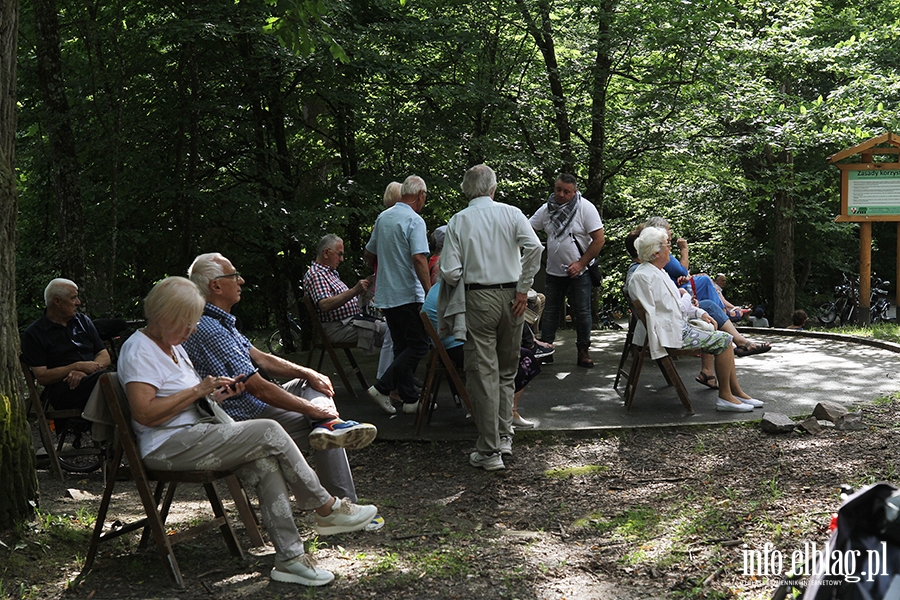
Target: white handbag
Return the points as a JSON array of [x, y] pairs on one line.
[[701, 324]]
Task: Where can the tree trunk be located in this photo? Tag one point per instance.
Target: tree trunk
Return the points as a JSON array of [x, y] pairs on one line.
[[18, 481], [189, 157], [783, 271], [543, 37], [602, 73], [107, 85], [70, 222]]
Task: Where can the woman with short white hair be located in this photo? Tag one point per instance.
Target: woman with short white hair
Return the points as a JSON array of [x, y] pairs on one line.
[[668, 313]]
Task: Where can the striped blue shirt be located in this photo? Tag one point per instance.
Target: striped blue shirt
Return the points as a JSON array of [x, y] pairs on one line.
[[218, 348]]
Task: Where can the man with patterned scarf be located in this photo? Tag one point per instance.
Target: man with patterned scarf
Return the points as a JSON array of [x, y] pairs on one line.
[[574, 238]]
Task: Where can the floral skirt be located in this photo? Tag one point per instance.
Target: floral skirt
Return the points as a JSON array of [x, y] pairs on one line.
[[708, 342]]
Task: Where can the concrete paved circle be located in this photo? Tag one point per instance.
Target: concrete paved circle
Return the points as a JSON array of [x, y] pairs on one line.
[[799, 371]]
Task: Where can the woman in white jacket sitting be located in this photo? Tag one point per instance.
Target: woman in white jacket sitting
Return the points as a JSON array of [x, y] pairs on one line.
[[668, 312]]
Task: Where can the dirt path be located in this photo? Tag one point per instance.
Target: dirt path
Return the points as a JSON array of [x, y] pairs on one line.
[[648, 514]]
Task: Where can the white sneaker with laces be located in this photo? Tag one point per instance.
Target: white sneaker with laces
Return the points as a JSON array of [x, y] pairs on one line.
[[488, 462], [505, 445], [345, 517], [382, 400], [410, 408], [301, 569]]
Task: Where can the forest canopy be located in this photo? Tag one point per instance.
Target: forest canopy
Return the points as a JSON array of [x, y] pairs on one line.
[[151, 132]]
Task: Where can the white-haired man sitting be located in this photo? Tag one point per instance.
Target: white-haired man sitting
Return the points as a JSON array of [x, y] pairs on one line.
[[63, 348]]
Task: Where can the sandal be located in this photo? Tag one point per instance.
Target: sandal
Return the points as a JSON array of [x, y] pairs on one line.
[[707, 380], [752, 348]]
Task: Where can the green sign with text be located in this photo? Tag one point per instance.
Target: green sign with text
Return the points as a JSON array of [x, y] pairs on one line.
[[873, 192]]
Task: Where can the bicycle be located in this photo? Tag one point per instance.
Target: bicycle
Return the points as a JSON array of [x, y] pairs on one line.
[[74, 435], [276, 344], [844, 306], [879, 304]]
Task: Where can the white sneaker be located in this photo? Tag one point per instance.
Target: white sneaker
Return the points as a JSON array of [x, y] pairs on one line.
[[752, 402], [337, 433], [382, 400], [726, 406], [410, 408], [345, 516], [488, 462], [301, 569], [505, 445], [375, 524]]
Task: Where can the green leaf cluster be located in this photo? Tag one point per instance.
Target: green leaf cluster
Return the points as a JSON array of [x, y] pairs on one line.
[[254, 127]]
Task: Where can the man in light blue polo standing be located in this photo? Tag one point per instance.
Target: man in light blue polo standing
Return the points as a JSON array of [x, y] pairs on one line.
[[399, 246], [491, 249]]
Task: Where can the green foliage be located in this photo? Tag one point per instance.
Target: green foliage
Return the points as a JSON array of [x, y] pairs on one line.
[[252, 128], [633, 524]]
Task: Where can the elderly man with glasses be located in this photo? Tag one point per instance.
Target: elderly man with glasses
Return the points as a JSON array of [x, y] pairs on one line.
[[303, 406], [336, 304]]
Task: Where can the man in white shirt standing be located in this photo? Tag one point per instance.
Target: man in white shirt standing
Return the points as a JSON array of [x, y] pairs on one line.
[[490, 248], [574, 239]]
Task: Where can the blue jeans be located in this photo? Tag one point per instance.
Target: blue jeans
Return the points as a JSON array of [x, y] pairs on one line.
[[714, 310], [578, 289]]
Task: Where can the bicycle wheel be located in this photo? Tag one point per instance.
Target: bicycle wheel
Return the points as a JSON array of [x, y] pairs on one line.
[[77, 451], [880, 312], [275, 344], [847, 311], [827, 313]]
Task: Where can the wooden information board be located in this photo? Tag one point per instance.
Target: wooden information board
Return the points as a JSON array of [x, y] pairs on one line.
[[870, 191]]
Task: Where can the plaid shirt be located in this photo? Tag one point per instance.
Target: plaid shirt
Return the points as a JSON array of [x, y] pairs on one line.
[[322, 282], [217, 348]]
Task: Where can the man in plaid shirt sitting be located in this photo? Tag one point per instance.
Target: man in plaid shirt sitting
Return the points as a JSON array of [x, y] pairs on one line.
[[336, 304], [304, 406]]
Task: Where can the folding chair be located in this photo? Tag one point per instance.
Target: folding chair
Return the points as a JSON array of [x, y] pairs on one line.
[[321, 342], [626, 350], [436, 370], [666, 364], [153, 523], [47, 421]]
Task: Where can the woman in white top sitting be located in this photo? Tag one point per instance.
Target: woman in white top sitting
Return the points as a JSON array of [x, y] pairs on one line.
[[668, 314], [174, 434]]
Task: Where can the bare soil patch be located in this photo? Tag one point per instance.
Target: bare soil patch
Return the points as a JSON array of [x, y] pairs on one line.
[[641, 514]]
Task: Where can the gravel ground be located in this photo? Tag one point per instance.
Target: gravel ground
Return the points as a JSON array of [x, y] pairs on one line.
[[662, 513]]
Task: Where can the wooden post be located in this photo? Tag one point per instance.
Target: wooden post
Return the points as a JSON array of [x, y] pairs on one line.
[[896, 281], [865, 272]]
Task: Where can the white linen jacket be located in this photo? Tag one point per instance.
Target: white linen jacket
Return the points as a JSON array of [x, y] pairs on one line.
[[665, 308]]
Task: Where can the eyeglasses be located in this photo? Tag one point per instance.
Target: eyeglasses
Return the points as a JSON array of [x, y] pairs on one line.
[[235, 275], [341, 254]]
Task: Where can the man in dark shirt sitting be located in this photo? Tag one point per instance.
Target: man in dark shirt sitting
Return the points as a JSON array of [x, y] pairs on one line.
[[63, 348]]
